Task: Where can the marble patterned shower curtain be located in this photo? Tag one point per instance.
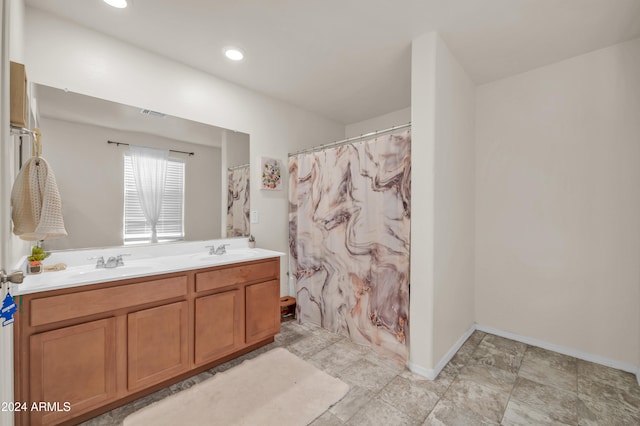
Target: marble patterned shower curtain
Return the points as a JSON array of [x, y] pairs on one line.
[[238, 202], [349, 228]]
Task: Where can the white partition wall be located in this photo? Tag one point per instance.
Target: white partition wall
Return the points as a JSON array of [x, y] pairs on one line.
[[443, 197]]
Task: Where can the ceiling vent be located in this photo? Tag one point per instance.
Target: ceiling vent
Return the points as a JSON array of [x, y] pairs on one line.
[[152, 113]]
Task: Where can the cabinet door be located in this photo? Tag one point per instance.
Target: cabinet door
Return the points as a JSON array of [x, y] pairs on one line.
[[157, 344], [262, 305], [74, 367], [218, 326]]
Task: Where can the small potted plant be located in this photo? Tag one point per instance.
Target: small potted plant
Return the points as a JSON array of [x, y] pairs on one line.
[[252, 241], [35, 260]]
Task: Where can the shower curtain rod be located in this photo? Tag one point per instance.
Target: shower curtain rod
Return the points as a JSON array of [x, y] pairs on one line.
[[349, 140], [241, 166], [191, 154]]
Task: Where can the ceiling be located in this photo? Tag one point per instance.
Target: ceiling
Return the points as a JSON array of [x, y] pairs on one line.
[[350, 60]]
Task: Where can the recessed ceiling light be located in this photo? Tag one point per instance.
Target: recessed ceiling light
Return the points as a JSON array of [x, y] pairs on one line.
[[120, 4], [234, 53]]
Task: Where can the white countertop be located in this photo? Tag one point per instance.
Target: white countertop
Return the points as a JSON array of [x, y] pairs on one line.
[[141, 261]]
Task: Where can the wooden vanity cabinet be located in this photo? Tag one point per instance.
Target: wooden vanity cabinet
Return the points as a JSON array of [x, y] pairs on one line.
[[92, 348], [262, 301], [245, 292], [219, 325], [157, 344], [73, 365]]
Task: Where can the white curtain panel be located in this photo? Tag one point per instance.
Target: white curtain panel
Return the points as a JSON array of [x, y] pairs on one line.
[[149, 172]]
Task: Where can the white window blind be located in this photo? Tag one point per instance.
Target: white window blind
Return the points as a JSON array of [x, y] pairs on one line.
[[171, 224]]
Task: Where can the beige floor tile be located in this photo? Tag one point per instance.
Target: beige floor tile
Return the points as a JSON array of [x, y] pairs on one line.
[[327, 419], [482, 400], [536, 370], [498, 352], [600, 393], [351, 403], [495, 378], [519, 414], [409, 397], [446, 413], [441, 383], [551, 359], [558, 405], [378, 412], [597, 413], [367, 375]]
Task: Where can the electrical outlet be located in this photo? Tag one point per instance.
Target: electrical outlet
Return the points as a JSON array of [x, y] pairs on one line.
[[254, 216]]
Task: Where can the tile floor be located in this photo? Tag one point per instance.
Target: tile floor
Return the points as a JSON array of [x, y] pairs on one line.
[[490, 381]]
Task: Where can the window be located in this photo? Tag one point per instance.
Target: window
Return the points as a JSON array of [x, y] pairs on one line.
[[171, 224]]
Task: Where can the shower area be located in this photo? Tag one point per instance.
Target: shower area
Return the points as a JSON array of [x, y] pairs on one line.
[[349, 238]]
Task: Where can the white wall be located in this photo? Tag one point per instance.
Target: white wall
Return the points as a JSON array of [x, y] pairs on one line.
[[386, 121], [15, 247], [238, 149], [64, 55], [442, 203], [16, 28], [558, 204], [11, 247], [454, 204], [90, 177], [423, 115]]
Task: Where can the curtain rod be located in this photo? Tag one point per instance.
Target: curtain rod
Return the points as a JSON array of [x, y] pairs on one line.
[[241, 166], [348, 140], [191, 154]]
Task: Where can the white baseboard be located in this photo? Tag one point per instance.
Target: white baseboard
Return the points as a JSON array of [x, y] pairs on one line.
[[432, 373], [619, 365], [429, 373]]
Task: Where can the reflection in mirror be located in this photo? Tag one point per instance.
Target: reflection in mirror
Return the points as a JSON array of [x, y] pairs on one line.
[[238, 201], [237, 156], [90, 172]]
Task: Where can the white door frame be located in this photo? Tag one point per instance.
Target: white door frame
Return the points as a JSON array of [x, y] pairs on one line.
[[7, 168]]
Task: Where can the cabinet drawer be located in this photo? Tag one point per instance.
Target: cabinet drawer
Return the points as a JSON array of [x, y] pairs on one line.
[[227, 276], [75, 305]]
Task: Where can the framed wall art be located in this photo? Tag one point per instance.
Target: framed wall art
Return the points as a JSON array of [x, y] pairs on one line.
[[270, 174]]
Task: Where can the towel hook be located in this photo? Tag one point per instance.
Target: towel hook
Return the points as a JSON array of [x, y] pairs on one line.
[[36, 145]]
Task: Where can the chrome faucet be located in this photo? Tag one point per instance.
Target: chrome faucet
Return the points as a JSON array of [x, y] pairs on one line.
[[222, 249], [112, 262], [99, 262]]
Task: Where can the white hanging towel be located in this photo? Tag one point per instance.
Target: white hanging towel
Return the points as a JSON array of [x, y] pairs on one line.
[[36, 207]]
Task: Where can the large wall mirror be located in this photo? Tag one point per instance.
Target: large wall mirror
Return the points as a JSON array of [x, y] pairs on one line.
[[90, 171]]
